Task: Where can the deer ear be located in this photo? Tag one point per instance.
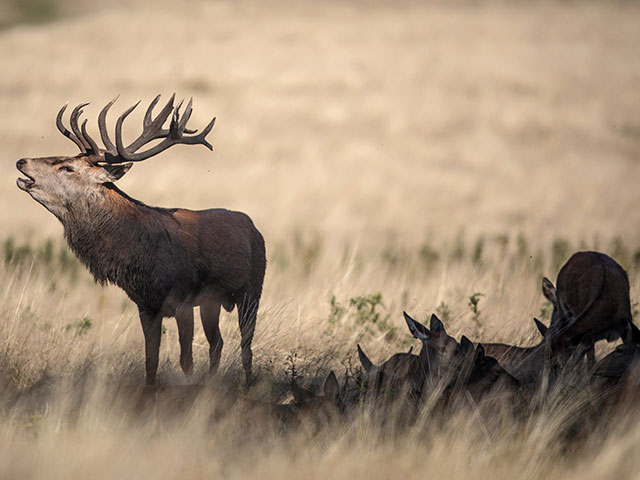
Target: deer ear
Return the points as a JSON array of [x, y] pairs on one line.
[[479, 352], [418, 330], [542, 328], [549, 291], [115, 172], [466, 344], [331, 387], [436, 325], [364, 360]]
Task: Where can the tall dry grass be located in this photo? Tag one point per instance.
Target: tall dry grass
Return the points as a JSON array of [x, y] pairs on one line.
[[423, 152]]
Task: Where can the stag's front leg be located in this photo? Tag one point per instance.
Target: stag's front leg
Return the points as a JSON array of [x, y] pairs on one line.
[[152, 329], [184, 319]]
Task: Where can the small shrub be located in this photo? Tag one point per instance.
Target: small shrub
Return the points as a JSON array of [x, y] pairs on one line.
[[474, 301], [546, 310], [337, 310], [291, 365], [478, 252], [363, 312], [81, 327]]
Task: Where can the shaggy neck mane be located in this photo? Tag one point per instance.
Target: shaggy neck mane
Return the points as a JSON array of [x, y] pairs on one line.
[[110, 229]]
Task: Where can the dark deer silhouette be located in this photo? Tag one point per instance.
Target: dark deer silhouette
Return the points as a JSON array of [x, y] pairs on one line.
[[454, 368], [590, 303], [482, 374], [166, 260], [401, 372], [524, 363], [441, 356]]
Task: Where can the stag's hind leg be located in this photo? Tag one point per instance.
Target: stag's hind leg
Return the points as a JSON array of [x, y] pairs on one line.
[[184, 319], [247, 313], [210, 316]]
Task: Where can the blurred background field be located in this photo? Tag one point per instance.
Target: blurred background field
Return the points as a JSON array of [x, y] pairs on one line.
[[420, 156]]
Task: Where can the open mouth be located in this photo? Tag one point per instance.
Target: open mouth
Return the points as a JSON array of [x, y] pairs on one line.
[[25, 183]]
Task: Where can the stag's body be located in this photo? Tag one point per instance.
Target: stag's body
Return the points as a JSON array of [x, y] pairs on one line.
[[166, 260]]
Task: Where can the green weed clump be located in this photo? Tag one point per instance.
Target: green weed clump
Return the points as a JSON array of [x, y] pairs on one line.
[[49, 255], [366, 313], [80, 327]]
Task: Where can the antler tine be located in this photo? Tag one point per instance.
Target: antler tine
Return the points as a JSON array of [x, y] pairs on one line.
[[63, 130], [152, 130], [74, 125], [120, 146], [204, 133], [152, 127], [102, 125], [93, 145], [147, 116], [186, 115]]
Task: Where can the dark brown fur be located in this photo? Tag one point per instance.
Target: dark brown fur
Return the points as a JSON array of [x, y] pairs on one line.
[[166, 260], [591, 302]]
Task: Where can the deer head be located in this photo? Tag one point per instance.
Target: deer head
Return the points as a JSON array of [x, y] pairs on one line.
[[58, 182], [306, 400], [441, 355]]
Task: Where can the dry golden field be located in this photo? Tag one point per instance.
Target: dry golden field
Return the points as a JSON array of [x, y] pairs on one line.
[[395, 155]]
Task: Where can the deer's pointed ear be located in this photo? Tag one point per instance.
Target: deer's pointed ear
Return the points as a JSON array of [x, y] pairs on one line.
[[549, 291], [436, 325], [115, 172], [466, 344], [364, 360], [331, 387], [479, 352], [542, 328], [418, 330]]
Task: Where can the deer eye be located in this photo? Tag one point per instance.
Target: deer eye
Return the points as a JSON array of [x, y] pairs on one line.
[[65, 168]]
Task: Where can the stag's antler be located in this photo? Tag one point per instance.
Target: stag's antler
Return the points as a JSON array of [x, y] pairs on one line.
[[152, 130], [76, 135]]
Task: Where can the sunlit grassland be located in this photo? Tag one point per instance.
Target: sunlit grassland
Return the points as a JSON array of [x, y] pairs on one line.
[[419, 157]]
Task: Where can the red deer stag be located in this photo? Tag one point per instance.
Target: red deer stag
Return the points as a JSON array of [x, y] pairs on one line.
[[166, 260], [590, 303]]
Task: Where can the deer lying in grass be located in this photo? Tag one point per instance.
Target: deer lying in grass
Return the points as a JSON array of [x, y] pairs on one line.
[[440, 355], [308, 405], [622, 364], [524, 363], [166, 260], [590, 303], [402, 372], [306, 400], [482, 374], [453, 366]]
